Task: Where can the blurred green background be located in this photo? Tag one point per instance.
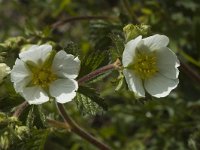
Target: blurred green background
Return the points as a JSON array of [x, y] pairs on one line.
[[171, 123]]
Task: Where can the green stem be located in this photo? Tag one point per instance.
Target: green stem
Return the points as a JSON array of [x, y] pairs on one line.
[[189, 58], [79, 131]]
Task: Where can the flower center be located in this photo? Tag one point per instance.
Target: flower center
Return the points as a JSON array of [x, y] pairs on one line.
[[43, 77], [145, 64]]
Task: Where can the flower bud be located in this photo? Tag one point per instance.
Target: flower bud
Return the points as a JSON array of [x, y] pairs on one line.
[[4, 71], [132, 31]]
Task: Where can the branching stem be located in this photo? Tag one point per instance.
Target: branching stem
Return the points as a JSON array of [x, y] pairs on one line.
[[69, 123], [79, 131], [99, 71]]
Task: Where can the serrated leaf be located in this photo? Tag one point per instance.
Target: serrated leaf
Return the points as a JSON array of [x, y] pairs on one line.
[[35, 117], [93, 61], [86, 105], [70, 47], [30, 118], [35, 141], [93, 95], [99, 31], [40, 118], [118, 46], [89, 102]]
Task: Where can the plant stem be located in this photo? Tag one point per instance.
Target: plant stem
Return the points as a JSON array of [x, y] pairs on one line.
[[19, 109], [79, 131], [116, 65], [58, 124], [71, 19], [99, 71], [69, 123], [190, 72]]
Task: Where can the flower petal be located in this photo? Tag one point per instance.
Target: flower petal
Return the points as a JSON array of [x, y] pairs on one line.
[[19, 86], [156, 41], [129, 51], [134, 83], [36, 54], [63, 90], [167, 63], [160, 86], [65, 65], [20, 75], [35, 95]]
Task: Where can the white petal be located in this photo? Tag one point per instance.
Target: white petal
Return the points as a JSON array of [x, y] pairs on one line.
[[142, 47], [20, 75], [129, 51], [156, 41], [19, 71], [134, 83], [19, 86], [35, 95], [36, 54], [160, 86], [63, 90], [167, 62], [65, 65]]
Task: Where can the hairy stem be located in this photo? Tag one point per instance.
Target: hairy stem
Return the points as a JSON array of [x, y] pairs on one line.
[[79, 131], [69, 123], [190, 72], [19, 109], [58, 124], [99, 71]]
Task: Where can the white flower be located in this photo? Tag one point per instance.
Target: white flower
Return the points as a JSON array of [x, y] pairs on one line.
[[150, 65], [4, 71], [41, 73]]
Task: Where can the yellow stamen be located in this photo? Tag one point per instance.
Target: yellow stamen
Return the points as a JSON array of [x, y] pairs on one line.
[[43, 77], [144, 64]]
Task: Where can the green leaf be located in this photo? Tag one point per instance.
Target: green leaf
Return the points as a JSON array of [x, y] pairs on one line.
[[11, 131], [118, 46], [70, 47], [35, 141], [93, 95], [35, 117], [8, 102], [89, 102], [99, 31], [93, 61]]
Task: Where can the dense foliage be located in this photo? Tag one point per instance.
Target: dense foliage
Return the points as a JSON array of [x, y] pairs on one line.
[[93, 31]]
